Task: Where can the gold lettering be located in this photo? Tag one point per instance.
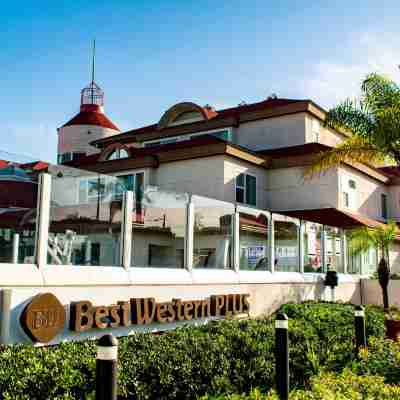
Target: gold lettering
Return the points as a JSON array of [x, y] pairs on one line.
[[144, 310], [126, 312], [81, 316], [217, 304], [206, 308], [196, 305], [100, 317], [179, 309], [246, 303], [187, 307], [161, 311], [114, 313], [172, 312]]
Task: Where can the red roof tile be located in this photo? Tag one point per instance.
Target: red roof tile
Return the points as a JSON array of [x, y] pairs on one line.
[[91, 117]]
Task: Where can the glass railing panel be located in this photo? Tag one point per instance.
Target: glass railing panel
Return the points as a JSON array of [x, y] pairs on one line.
[[85, 218], [213, 233], [253, 240], [333, 249], [286, 231], [312, 236], [159, 227], [19, 181]]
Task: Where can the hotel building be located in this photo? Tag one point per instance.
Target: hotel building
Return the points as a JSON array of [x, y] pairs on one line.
[[203, 201]]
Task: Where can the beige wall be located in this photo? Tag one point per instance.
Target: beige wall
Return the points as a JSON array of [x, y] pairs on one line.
[[394, 257], [288, 130], [315, 132], [394, 202], [75, 138], [372, 293], [201, 176], [288, 190], [233, 168], [367, 196]]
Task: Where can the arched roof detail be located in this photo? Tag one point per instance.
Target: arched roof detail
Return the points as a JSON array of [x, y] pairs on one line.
[[173, 113], [107, 151]]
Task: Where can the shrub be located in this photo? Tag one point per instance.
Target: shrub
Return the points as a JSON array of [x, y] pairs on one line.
[[221, 357], [330, 386]]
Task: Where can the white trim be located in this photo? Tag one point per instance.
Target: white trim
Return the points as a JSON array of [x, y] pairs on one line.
[[301, 246], [236, 241], [189, 236], [109, 353], [43, 219], [359, 313], [271, 243], [343, 250], [187, 136], [245, 190], [126, 239], [281, 324]]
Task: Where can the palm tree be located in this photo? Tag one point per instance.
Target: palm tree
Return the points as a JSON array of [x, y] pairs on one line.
[[364, 238], [372, 124]]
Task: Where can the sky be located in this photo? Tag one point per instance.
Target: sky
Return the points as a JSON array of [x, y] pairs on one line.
[[153, 54]]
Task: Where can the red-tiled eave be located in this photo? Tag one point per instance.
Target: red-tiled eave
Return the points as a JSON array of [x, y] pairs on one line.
[[142, 152], [92, 118], [302, 149], [3, 163], [35, 166], [334, 217], [225, 117]]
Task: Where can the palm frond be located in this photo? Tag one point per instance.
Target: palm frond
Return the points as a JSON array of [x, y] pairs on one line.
[[352, 117], [361, 240], [353, 149], [364, 238], [379, 92]]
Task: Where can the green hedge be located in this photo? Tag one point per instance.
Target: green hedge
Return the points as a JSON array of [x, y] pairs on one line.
[[220, 357], [331, 386]]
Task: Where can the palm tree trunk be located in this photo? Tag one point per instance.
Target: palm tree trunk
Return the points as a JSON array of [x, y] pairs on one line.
[[383, 276]]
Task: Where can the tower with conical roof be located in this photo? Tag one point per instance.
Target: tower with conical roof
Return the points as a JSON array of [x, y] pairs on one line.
[[89, 124]]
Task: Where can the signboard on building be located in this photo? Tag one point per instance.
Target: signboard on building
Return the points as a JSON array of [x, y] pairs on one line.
[[44, 317]]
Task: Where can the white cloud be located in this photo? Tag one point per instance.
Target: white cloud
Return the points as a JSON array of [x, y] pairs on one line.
[[331, 81]]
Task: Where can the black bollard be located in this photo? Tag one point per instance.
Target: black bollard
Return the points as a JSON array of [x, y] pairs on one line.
[[282, 356], [359, 324], [106, 368]]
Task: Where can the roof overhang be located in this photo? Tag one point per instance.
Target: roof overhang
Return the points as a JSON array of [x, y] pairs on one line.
[[334, 217]]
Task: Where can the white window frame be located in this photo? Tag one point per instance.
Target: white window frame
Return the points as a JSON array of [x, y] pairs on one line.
[[139, 171], [244, 190], [118, 152], [187, 136]]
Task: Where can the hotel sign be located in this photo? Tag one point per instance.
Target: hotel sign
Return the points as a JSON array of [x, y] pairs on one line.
[[44, 317]]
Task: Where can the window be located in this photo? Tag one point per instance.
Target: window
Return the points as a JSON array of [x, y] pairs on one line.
[[225, 134], [315, 130], [246, 186], [384, 206], [213, 233], [117, 154], [352, 184], [346, 199], [91, 189]]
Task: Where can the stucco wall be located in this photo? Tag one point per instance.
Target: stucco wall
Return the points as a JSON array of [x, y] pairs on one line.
[[315, 132], [201, 176], [288, 130], [264, 299], [289, 190], [394, 202], [367, 193], [233, 168], [372, 293], [75, 138]]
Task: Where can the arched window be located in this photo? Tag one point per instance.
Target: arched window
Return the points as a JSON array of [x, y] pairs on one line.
[[117, 154]]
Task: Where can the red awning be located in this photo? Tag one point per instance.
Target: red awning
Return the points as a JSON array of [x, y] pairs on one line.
[[333, 217]]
